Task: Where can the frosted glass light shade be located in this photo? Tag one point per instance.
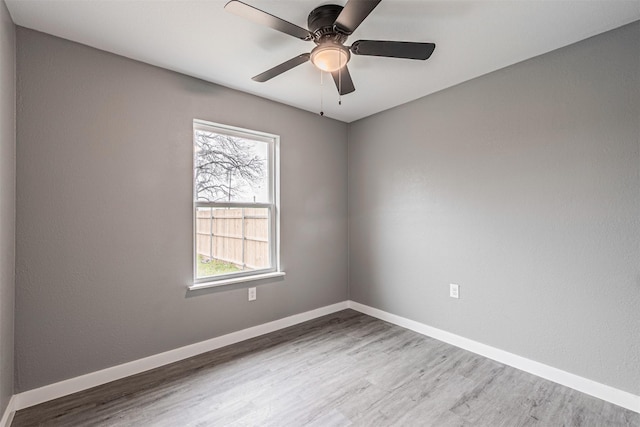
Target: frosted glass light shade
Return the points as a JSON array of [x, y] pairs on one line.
[[330, 57]]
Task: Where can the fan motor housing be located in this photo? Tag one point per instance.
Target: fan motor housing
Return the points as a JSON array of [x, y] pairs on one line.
[[321, 23]]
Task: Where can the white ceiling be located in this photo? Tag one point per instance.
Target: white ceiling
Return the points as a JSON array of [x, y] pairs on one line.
[[201, 39]]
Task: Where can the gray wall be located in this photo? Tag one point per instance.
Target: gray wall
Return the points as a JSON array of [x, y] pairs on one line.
[[7, 201], [523, 187], [104, 211]]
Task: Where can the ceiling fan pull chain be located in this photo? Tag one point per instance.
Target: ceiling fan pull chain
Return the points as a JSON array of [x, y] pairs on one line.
[[340, 80], [321, 94]]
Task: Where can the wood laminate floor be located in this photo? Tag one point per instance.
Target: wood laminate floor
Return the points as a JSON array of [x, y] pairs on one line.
[[343, 369]]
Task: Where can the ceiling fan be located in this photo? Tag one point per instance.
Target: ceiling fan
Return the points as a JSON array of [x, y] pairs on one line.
[[329, 27]]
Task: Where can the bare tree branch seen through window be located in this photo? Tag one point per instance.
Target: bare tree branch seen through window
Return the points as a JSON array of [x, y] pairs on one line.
[[228, 168]]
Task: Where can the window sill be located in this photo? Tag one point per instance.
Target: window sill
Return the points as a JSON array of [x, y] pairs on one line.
[[197, 286]]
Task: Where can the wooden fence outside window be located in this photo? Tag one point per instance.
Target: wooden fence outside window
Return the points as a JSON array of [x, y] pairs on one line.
[[235, 235]]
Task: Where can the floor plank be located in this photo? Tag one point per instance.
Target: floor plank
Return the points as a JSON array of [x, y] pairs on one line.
[[345, 369]]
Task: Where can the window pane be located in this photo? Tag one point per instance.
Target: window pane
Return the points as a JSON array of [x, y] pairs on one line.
[[231, 240], [230, 168]]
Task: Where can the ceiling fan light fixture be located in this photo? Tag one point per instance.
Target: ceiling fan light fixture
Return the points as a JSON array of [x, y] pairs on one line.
[[329, 27], [330, 57]]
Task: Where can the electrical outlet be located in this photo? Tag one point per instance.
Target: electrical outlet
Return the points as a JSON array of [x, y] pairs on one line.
[[454, 290], [252, 294]]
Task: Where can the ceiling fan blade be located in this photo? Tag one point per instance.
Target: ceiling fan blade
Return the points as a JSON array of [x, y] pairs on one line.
[[279, 69], [343, 81], [408, 50], [353, 13], [260, 17]]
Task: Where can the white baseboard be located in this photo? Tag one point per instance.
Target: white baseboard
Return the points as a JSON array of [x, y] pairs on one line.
[[584, 385], [9, 412], [84, 382]]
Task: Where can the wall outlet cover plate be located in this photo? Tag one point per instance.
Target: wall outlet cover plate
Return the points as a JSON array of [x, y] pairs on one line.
[[454, 290]]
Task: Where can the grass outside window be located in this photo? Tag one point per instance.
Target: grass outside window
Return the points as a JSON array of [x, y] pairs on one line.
[[212, 267]]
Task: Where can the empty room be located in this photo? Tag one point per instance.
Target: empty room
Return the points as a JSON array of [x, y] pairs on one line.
[[312, 213]]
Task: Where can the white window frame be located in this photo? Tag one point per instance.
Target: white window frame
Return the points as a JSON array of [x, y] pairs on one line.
[[273, 206]]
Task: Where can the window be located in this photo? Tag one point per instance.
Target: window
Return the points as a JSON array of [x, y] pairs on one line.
[[235, 204]]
